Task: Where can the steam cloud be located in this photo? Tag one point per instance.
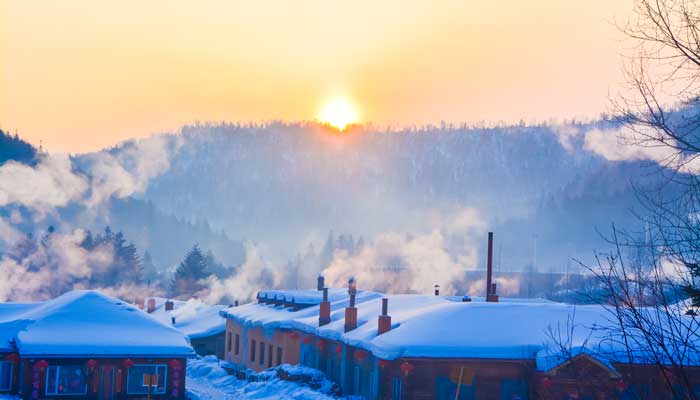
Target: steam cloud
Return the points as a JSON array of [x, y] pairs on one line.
[[58, 262], [400, 263]]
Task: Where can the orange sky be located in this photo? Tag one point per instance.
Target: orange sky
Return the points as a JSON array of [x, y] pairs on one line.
[[79, 75]]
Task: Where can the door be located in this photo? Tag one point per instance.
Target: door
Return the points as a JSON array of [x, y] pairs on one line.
[[106, 383]]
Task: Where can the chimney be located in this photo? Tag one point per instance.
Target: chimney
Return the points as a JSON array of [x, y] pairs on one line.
[[384, 320], [492, 297], [235, 303], [489, 265], [320, 283], [151, 305], [324, 316], [351, 311], [139, 302], [437, 290], [169, 305], [172, 319]]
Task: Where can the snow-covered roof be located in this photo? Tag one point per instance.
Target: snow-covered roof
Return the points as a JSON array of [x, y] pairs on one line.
[[444, 327], [193, 317], [89, 323], [303, 297], [9, 326]]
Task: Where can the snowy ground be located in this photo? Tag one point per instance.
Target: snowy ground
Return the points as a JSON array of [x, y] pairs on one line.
[[206, 380]]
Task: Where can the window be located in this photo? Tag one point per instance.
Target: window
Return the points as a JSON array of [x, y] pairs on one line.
[[66, 380], [269, 356], [136, 379], [306, 358], [237, 349], [396, 389], [372, 385], [5, 376], [228, 342], [252, 350], [262, 353], [357, 380], [279, 356]]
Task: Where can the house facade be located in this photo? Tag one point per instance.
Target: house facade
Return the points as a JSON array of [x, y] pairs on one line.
[[87, 345], [436, 347]]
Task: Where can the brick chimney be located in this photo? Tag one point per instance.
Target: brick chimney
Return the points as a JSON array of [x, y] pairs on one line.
[[235, 303], [139, 302], [384, 320], [351, 311], [151, 305], [324, 316], [491, 295], [169, 305], [437, 290], [320, 283]]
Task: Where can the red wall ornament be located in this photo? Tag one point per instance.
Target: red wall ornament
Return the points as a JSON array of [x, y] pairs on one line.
[[307, 340], [338, 349], [128, 363], [407, 368], [360, 355], [383, 363], [547, 382], [293, 335], [174, 364], [12, 357], [91, 363], [321, 344], [41, 364], [620, 385]]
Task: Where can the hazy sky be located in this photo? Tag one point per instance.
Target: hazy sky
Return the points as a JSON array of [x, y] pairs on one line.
[[81, 75]]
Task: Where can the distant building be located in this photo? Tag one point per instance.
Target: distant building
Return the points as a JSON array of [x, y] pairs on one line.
[[437, 347], [200, 322], [87, 345]]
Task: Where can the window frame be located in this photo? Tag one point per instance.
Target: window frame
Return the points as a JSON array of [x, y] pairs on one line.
[[253, 346], [237, 344], [270, 350], [279, 355], [261, 359], [396, 389], [55, 386], [155, 391], [12, 371]]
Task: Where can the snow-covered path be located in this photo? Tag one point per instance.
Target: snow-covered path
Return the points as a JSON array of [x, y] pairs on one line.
[[206, 380]]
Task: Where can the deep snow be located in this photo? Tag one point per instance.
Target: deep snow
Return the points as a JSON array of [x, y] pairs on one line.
[[206, 380]]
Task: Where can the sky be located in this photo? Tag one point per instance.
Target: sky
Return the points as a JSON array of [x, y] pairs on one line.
[[80, 75]]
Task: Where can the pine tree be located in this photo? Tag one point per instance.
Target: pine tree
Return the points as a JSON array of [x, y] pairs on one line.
[[692, 289], [190, 273]]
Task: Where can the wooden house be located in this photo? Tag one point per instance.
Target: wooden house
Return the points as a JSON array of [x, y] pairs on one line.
[[87, 345]]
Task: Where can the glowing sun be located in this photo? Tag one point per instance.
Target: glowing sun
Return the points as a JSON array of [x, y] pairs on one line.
[[339, 113]]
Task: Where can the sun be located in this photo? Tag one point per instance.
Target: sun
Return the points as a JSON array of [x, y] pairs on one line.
[[339, 113]]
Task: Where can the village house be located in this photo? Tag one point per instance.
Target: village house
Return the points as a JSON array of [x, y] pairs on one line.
[[200, 322], [87, 345], [440, 347]]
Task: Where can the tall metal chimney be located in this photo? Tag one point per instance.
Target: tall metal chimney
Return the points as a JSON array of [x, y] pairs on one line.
[[491, 295], [489, 265]]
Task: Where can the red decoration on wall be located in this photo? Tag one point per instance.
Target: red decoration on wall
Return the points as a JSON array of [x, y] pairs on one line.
[[41, 364], [91, 363], [339, 349], [293, 335], [321, 344], [308, 340], [547, 382], [620, 385], [407, 368], [174, 364], [12, 357], [128, 363], [383, 363], [360, 355]]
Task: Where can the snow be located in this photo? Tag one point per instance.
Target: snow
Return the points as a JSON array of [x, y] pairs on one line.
[[10, 322], [206, 380], [305, 297], [193, 317], [444, 327], [89, 323]]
